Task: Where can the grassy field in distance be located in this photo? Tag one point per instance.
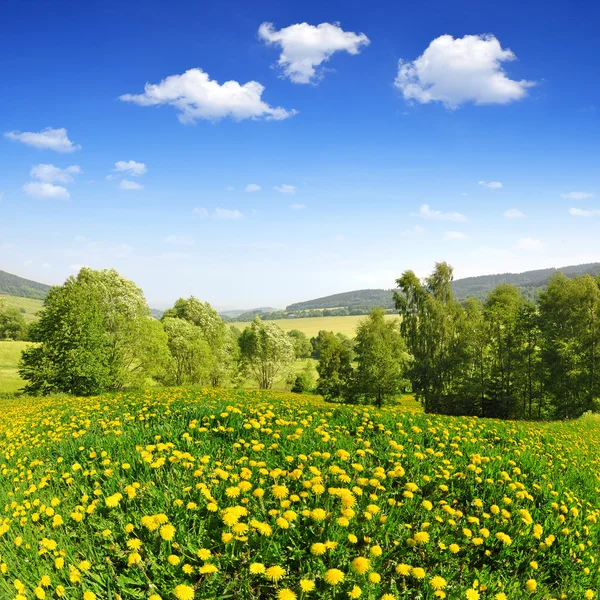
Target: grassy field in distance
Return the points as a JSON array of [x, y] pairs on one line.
[[30, 305], [10, 354], [311, 326]]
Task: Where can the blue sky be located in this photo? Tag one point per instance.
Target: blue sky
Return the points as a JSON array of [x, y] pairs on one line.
[[481, 148]]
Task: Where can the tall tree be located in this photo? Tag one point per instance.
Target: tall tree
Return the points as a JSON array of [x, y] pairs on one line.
[[381, 357], [214, 331], [266, 351], [95, 333], [302, 345], [12, 323], [433, 325], [190, 360], [570, 326], [334, 366]]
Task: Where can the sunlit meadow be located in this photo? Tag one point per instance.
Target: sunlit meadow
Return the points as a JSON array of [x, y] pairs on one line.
[[177, 494]]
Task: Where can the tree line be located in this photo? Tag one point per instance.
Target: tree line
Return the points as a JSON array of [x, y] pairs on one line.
[[503, 357]]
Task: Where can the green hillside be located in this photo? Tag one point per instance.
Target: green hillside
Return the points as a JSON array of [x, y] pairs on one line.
[[29, 307], [13, 285], [531, 283]]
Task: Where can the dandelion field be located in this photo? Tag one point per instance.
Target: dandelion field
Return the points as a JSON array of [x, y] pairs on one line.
[[177, 494]]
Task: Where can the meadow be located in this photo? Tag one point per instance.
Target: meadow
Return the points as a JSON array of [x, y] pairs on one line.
[[312, 325], [28, 306], [10, 355], [181, 494]]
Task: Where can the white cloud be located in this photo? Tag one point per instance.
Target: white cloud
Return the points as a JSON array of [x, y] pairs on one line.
[[339, 238], [305, 47], [577, 196], [452, 236], [195, 96], [455, 71], [580, 212], [179, 240], [230, 188], [297, 206], [286, 189], [427, 212], [200, 212], [51, 174], [46, 265], [530, 243], [226, 213], [492, 185], [46, 190], [80, 238], [47, 139], [513, 213], [252, 187], [78, 267], [127, 184], [130, 167]]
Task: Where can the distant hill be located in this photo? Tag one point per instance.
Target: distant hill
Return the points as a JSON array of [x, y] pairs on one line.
[[13, 285], [531, 283], [234, 314]]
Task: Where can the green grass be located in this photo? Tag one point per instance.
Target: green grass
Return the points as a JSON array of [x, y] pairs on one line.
[[311, 326], [193, 494], [30, 306], [10, 354]]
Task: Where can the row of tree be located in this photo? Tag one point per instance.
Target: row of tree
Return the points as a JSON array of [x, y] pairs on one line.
[[95, 333], [504, 357]]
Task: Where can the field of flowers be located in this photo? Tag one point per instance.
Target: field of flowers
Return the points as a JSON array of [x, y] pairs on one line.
[[181, 495]]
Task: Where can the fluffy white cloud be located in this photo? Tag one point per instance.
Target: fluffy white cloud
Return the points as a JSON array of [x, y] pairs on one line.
[[130, 167], [47, 139], [195, 96], [452, 236], [252, 187], [580, 212], [179, 240], [51, 174], [286, 189], [305, 47], [200, 212], [50, 191], [513, 213], [530, 243], [427, 212], [297, 206], [455, 71], [577, 195], [127, 184], [492, 185], [226, 213]]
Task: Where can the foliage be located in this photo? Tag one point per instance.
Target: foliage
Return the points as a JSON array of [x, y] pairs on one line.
[[266, 351], [12, 323], [335, 365], [302, 345], [191, 358], [246, 495], [214, 331], [95, 333], [381, 358]]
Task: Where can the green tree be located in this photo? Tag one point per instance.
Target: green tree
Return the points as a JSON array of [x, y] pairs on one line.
[[95, 333], [266, 351], [12, 323], [381, 357], [334, 367], [570, 331], [216, 333], [434, 326], [190, 361], [302, 345], [502, 309]]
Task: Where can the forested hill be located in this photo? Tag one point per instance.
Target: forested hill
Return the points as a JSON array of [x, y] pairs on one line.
[[531, 283], [13, 285]]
